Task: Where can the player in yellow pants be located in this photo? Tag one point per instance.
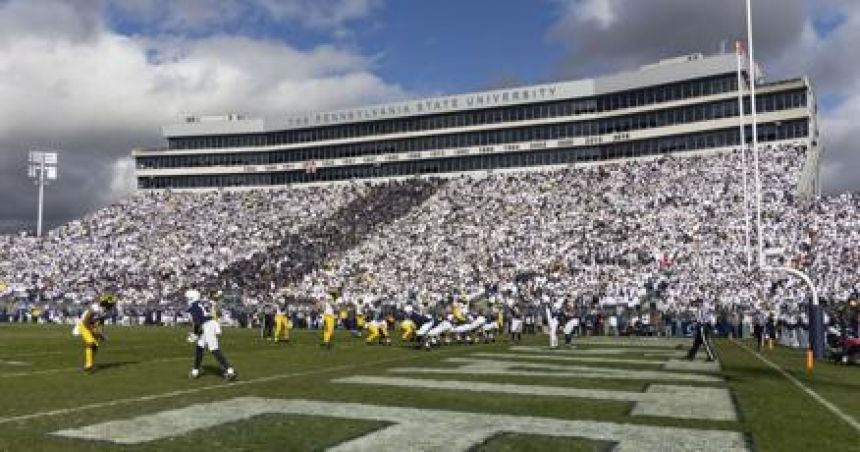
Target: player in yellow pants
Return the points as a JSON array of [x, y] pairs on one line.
[[377, 332], [283, 325], [407, 330], [88, 328], [383, 331], [372, 332], [328, 324]]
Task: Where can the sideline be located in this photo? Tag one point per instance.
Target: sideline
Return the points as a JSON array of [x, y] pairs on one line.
[[833, 408], [164, 395]]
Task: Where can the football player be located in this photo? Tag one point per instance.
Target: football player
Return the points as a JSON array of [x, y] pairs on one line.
[[377, 326], [283, 325], [421, 322], [327, 308], [360, 320], [492, 327], [553, 315], [516, 314], [205, 331], [354, 322], [407, 330], [459, 311], [439, 334], [377, 332], [88, 327], [468, 332], [267, 326], [570, 322]]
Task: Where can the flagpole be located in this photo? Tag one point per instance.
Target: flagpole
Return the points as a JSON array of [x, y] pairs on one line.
[[739, 53], [757, 169]]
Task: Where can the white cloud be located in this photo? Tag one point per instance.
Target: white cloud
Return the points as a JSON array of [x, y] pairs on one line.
[[835, 73], [49, 20], [600, 11], [96, 94], [603, 35]]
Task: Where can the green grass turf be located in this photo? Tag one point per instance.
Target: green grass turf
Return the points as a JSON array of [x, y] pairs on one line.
[[780, 415], [154, 362], [274, 432], [533, 443]]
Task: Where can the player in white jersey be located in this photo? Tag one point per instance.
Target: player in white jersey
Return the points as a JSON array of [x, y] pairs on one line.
[[204, 334], [438, 334], [570, 323], [553, 314]]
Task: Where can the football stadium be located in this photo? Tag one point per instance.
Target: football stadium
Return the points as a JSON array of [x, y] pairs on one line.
[[639, 261]]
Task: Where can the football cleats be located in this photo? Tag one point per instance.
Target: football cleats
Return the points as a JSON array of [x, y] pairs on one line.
[[230, 374]]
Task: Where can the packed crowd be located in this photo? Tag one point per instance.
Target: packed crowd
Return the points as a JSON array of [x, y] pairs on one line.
[[151, 246], [617, 237], [668, 230]]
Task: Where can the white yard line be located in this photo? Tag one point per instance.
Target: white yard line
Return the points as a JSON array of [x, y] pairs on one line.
[[583, 359], [672, 364], [407, 428], [472, 366], [657, 400], [600, 351], [628, 341], [164, 395], [13, 363], [833, 408]]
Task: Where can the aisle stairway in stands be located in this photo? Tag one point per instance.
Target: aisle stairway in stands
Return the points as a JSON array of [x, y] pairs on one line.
[[297, 254]]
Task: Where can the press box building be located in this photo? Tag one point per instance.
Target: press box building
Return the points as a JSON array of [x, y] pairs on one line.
[[677, 106]]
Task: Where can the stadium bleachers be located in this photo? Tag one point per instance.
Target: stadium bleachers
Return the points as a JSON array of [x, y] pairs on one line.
[[671, 228]]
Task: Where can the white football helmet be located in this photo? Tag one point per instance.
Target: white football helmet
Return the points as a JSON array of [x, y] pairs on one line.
[[192, 295]]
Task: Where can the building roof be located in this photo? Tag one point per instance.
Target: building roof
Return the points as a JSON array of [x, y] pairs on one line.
[[666, 71]]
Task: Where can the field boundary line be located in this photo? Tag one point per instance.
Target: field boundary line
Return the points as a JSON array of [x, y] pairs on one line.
[[180, 392], [824, 402]]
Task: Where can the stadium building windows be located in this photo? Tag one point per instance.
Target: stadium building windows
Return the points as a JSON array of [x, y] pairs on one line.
[[662, 108]]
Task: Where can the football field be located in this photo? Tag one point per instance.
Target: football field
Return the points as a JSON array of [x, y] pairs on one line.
[[603, 394]]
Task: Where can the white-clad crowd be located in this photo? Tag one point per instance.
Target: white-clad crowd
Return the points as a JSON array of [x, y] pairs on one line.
[[151, 246], [667, 230], [671, 230]]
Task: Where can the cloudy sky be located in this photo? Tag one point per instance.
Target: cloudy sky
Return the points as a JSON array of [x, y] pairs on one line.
[[95, 78]]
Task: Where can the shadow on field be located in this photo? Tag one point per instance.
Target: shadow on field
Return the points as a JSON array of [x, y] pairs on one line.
[[106, 366]]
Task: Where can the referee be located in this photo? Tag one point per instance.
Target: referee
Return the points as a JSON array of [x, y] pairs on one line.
[[701, 336]]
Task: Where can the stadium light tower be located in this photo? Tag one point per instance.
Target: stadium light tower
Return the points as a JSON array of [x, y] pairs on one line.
[[42, 168]]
